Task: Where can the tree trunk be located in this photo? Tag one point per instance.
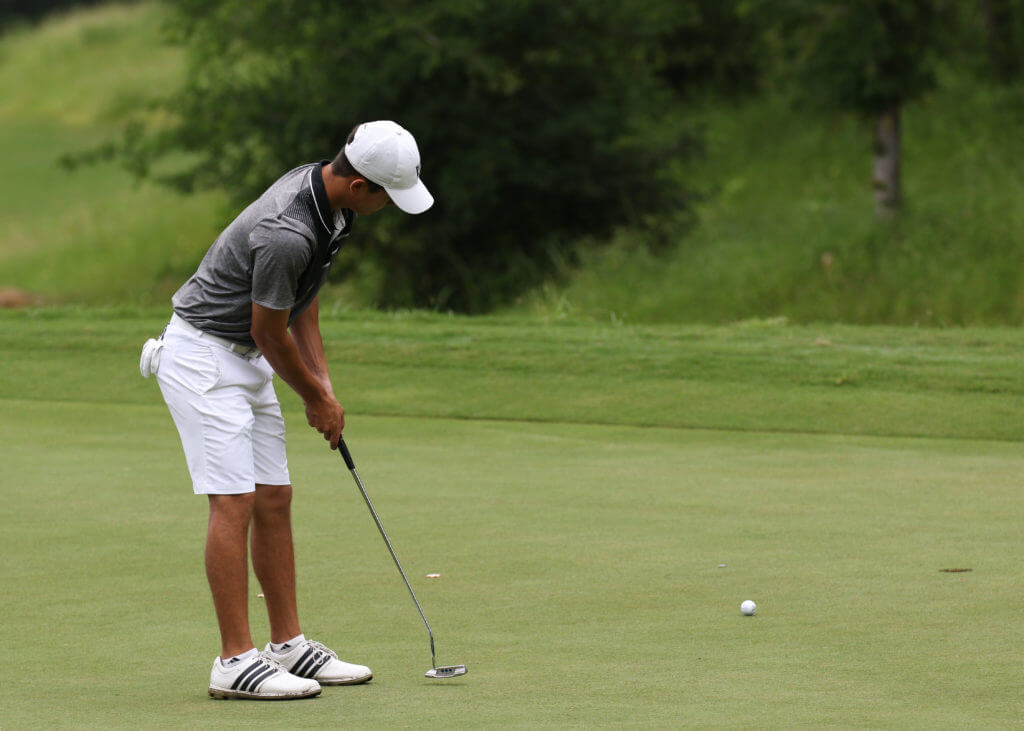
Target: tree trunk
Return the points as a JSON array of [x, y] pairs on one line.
[[1002, 55], [888, 154]]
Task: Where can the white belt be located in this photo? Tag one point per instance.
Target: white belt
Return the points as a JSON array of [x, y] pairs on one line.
[[246, 351]]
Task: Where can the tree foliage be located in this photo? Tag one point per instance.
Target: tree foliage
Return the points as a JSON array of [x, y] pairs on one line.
[[862, 56], [538, 123], [999, 25], [12, 11], [711, 46], [541, 124], [869, 57]]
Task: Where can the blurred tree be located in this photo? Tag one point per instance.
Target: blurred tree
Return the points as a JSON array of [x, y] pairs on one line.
[[1003, 22], [31, 10], [869, 57], [709, 46], [538, 123]]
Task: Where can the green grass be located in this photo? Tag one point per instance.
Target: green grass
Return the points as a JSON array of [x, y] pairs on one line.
[[71, 68], [849, 380], [92, 234], [593, 553]]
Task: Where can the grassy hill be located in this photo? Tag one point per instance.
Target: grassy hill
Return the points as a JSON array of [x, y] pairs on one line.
[[94, 234], [786, 227]]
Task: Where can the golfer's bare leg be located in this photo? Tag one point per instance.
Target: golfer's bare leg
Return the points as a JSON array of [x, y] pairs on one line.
[[227, 569], [273, 558]]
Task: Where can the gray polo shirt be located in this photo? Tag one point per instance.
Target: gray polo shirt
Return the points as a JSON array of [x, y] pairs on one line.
[[276, 253]]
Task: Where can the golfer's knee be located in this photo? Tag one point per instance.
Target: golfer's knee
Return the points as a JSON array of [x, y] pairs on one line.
[[232, 508], [273, 498]]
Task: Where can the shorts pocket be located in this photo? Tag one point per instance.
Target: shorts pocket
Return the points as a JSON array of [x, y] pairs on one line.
[[196, 365]]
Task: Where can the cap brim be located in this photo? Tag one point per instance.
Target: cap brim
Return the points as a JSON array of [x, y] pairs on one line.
[[411, 200]]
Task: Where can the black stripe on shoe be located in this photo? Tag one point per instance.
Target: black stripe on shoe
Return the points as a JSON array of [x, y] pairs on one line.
[[321, 661], [253, 686], [306, 664], [244, 676]]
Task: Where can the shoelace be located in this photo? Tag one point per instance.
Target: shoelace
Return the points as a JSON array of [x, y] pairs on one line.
[[268, 660], [322, 648]]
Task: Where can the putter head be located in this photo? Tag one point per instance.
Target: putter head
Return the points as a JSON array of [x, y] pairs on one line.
[[446, 671]]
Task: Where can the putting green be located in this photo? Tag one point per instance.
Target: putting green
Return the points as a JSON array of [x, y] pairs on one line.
[[589, 575]]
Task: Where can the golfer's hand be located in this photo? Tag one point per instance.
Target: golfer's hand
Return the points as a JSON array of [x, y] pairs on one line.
[[327, 417]]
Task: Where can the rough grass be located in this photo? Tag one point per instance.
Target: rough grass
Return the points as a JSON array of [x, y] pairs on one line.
[[86, 67], [92, 234]]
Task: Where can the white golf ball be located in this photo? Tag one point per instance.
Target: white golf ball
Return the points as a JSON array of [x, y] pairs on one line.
[[748, 607]]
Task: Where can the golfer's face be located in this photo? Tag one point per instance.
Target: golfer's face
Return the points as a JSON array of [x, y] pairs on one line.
[[372, 202]]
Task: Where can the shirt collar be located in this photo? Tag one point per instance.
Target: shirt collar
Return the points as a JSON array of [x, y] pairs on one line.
[[323, 205]]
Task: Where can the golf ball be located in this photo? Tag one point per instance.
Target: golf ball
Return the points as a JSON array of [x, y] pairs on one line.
[[748, 607]]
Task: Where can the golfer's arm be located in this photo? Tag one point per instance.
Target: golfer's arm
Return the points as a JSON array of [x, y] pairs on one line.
[[270, 332], [306, 331]]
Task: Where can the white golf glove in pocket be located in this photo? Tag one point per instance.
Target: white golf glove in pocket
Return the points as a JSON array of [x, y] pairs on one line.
[[150, 361]]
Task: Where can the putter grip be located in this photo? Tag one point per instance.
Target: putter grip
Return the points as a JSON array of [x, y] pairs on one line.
[[345, 455]]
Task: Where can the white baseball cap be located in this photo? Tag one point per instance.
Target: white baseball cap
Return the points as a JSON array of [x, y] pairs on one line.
[[386, 154]]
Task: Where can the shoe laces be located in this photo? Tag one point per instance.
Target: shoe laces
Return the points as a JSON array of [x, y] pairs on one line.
[[266, 658], [320, 647]]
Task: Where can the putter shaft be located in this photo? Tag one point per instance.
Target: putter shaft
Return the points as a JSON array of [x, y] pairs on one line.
[[346, 455]]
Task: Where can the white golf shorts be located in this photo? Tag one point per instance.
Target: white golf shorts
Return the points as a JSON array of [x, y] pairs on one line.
[[226, 411]]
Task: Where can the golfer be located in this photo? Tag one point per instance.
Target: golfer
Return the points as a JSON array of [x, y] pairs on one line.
[[248, 312]]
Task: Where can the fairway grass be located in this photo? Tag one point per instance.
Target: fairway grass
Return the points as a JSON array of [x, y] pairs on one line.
[[591, 570], [751, 376]]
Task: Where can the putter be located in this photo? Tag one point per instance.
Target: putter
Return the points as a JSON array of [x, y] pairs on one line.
[[445, 671]]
